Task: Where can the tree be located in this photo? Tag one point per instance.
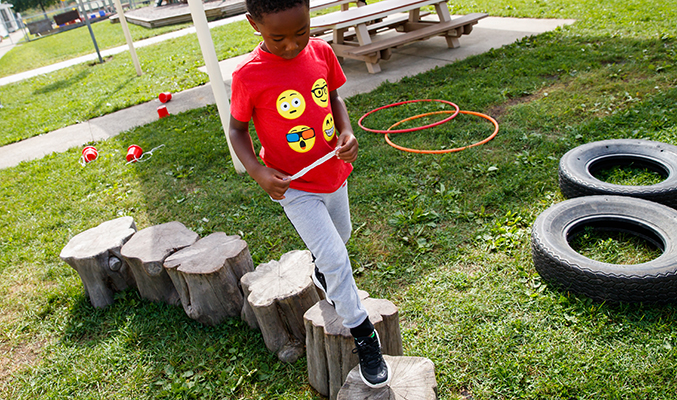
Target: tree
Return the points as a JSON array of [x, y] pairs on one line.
[[23, 5]]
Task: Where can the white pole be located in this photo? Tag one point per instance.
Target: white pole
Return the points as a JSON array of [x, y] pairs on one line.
[[204, 36], [128, 36]]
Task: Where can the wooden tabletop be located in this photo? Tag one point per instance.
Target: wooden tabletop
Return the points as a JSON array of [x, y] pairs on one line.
[[320, 4], [370, 12]]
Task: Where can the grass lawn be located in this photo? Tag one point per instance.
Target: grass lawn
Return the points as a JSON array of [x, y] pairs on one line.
[[68, 96], [48, 102], [73, 43], [445, 237]]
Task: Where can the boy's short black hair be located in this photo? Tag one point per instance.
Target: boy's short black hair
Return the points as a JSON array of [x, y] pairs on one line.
[[257, 8]]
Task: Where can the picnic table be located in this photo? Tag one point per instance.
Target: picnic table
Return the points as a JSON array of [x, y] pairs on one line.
[[321, 4], [352, 29]]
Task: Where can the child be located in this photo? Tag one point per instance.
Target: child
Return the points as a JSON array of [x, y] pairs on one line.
[[288, 86]]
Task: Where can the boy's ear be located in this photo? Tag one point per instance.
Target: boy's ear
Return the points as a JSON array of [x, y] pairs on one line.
[[252, 22]]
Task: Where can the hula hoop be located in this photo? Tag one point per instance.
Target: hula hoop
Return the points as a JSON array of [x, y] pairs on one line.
[[493, 121], [410, 129]]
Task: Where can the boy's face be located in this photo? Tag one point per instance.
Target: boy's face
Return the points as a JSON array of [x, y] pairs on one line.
[[284, 33]]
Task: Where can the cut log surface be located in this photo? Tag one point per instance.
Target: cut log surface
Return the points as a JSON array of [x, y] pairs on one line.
[[278, 294], [412, 378], [95, 255], [146, 252], [207, 276], [329, 345]]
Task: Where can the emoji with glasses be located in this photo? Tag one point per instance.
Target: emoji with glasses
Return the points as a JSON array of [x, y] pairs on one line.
[[290, 104], [301, 138], [320, 93]]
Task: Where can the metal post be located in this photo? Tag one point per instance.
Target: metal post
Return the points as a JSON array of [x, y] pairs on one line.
[[204, 37], [91, 33], [23, 28]]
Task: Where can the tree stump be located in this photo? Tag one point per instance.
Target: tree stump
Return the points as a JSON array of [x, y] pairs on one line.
[[329, 345], [278, 294], [412, 378], [207, 276], [95, 255], [146, 252]]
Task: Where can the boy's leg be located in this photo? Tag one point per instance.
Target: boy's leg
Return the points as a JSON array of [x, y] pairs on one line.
[[312, 220], [323, 222]]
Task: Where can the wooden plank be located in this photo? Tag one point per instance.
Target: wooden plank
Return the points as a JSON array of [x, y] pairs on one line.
[[419, 34], [322, 4], [392, 22], [370, 12]]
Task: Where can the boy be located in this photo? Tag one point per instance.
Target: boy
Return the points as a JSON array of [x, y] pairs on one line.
[[287, 86]]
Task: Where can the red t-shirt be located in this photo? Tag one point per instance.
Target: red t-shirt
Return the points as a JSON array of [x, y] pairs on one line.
[[289, 103]]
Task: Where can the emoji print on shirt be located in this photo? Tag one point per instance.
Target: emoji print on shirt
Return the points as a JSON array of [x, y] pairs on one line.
[[290, 104], [301, 138], [328, 128], [320, 93]]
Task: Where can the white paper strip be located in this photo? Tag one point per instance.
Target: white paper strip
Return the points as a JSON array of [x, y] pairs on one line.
[[315, 164]]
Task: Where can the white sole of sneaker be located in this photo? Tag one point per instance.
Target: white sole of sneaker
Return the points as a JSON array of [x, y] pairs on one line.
[[379, 385], [319, 286]]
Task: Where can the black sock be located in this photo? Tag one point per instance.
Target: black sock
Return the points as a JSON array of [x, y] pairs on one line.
[[364, 329]]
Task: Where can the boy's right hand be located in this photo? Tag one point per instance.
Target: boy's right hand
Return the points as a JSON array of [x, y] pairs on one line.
[[274, 182]]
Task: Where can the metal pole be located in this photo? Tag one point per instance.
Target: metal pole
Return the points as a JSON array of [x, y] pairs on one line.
[[91, 33], [128, 37], [218, 87], [23, 28]]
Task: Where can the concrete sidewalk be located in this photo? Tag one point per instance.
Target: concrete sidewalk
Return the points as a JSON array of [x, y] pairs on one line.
[[9, 42], [105, 53], [491, 32]]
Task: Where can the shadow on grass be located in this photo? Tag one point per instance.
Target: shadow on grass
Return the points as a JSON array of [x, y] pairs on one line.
[[416, 218], [158, 347], [60, 85], [418, 213], [95, 110]]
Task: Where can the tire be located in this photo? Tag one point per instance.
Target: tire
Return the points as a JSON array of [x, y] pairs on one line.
[[577, 167], [559, 265]]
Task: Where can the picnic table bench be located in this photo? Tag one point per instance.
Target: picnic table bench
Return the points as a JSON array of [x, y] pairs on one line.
[[362, 22]]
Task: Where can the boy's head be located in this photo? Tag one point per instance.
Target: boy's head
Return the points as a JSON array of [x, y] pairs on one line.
[[284, 25]]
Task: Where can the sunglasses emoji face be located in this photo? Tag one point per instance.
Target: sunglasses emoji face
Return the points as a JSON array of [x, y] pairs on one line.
[[291, 104], [301, 138], [320, 93]]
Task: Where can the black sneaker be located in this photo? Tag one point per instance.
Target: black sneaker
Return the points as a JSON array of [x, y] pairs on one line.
[[320, 282], [374, 370]]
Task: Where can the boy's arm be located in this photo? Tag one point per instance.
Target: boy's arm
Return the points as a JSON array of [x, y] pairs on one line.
[[346, 139], [272, 181]]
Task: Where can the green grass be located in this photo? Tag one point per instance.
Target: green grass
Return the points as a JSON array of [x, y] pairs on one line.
[[68, 96], [73, 43], [445, 237], [614, 247], [631, 176]]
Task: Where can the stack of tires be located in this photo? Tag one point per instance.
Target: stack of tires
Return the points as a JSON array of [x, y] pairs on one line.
[[648, 212]]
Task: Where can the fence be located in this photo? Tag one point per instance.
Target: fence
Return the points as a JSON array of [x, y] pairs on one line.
[[70, 16]]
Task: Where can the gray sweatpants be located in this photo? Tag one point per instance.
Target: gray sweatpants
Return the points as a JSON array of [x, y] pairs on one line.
[[323, 222]]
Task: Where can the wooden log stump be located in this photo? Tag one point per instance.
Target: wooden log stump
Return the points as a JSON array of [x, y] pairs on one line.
[[329, 345], [278, 294], [95, 255], [146, 252], [412, 378], [207, 276]]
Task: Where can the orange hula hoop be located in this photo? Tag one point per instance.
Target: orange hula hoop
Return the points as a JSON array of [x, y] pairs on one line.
[[493, 121]]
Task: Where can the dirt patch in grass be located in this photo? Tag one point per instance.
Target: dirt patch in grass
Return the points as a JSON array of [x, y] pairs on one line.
[[500, 110], [17, 356]]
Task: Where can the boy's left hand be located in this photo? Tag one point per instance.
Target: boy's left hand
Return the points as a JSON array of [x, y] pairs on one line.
[[348, 147]]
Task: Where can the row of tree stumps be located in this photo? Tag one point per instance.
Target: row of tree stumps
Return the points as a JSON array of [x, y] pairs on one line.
[[213, 278]]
